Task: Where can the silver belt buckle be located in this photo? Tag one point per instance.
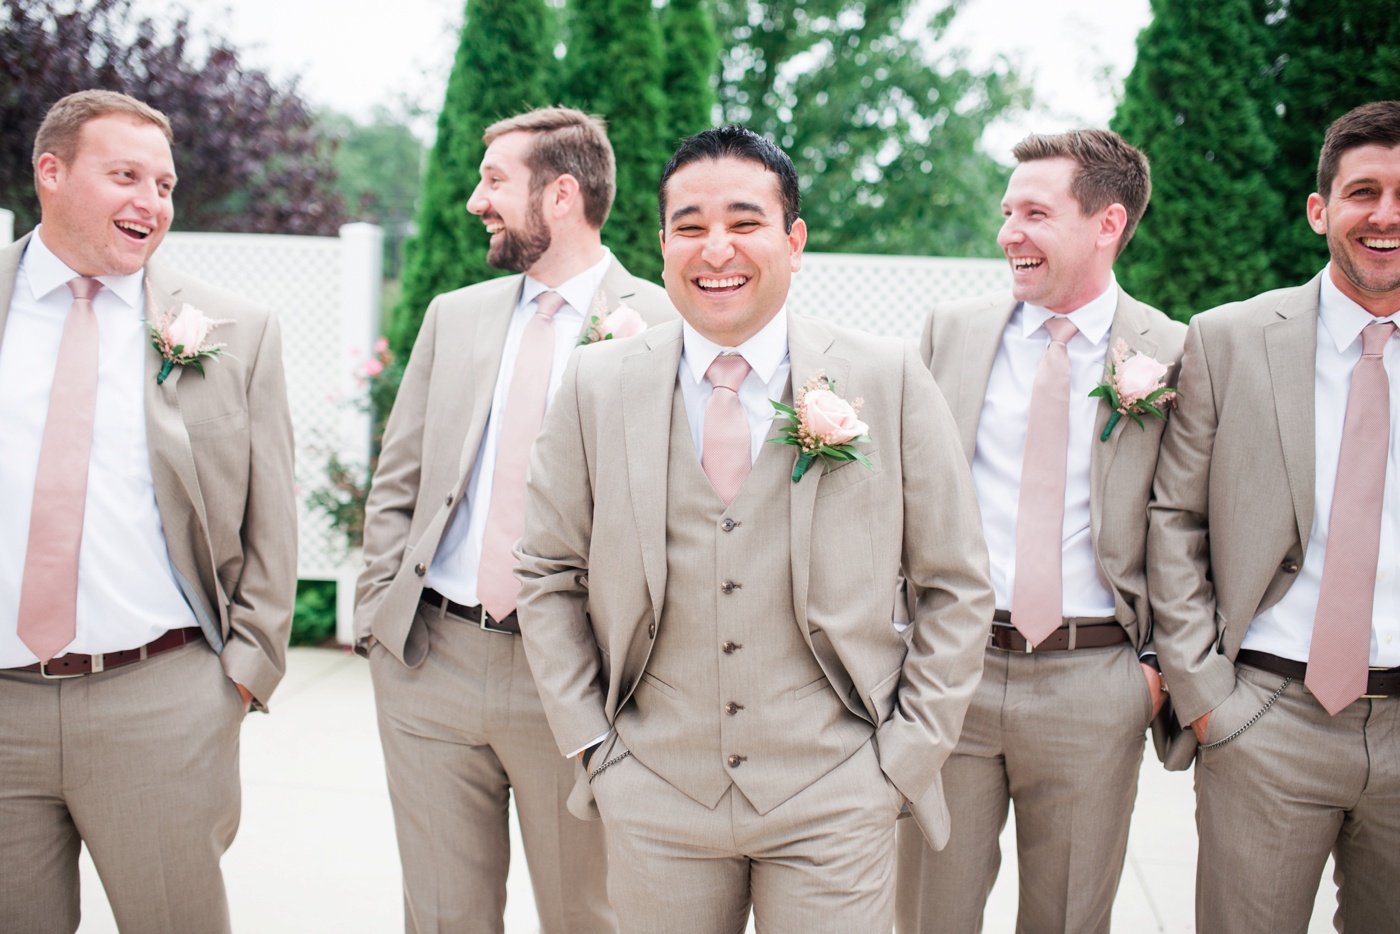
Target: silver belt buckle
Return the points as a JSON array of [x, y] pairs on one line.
[[486, 624]]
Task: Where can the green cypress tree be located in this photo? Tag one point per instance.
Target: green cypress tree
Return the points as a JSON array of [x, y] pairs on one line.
[[1198, 102], [614, 66], [692, 55], [1330, 56], [500, 70]]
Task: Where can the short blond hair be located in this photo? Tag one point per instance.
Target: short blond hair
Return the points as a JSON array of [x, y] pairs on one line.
[[567, 142], [58, 133], [1107, 170]]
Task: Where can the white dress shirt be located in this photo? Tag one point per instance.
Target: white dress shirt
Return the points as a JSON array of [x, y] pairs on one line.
[[1001, 444], [1285, 629], [127, 595], [767, 356], [453, 572]]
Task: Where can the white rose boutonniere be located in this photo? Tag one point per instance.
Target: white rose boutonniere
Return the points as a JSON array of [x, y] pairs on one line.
[[181, 337], [1136, 386], [822, 424]]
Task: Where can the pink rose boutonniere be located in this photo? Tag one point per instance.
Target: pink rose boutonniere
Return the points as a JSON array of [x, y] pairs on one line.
[[822, 424], [623, 321], [1136, 386], [181, 337]]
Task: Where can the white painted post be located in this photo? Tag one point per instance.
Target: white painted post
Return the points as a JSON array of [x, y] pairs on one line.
[[361, 284], [7, 226]]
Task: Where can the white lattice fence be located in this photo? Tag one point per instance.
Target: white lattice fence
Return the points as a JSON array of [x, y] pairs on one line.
[[888, 294]]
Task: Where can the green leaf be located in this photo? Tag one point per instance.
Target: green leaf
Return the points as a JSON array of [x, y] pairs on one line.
[[1153, 410]]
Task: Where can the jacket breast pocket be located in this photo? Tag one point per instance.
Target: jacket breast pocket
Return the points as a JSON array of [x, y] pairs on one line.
[[847, 475]]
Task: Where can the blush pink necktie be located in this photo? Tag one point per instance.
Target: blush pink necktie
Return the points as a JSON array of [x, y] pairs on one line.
[[727, 450], [1037, 600], [48, 596], [1341, 638], [496, 586]]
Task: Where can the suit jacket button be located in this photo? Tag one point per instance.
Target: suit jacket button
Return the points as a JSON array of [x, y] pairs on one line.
[[729, 587], [651, 630], [728, 525], [449, 499], [733, 708], [730, 648], [627, 686], [420, 569], [1290, 566], [735, 761]]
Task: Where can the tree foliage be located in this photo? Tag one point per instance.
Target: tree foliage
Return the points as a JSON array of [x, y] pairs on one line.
[[692, 64], [248, 151], [500, 70], [378, 167], [884, 131], [1198, 102], [615, 67]]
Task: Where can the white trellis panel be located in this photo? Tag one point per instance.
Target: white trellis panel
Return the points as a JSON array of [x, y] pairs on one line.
[[888, 294]]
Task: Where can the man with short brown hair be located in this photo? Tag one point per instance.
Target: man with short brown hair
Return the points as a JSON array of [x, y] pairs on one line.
[[147, 539], [459, 715], [1056, 726], [1272, 557]]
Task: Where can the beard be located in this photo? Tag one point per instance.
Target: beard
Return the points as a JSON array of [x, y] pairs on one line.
[[1340, 246], [517, 251]]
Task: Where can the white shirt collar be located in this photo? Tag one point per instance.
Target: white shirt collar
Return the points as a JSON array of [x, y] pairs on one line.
[[1093, 318], [46, 272], [764, 352], [1342, 317], [578, 291]]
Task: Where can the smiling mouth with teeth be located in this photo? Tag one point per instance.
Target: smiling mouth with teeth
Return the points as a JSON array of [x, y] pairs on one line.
[[1381, 243], [730, 282], [1025, 262], [139, 231], [495, 227]]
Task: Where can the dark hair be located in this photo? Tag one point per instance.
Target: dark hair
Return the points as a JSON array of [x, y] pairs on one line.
[[1109, 171], [1376, 123], [736, 142], [566, 142]]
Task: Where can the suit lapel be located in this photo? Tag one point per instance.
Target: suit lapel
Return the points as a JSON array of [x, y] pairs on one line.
[[9, 272], [975, 359], [173, 473], [809, 341], [1130, 325], [1291, 346], [648, 392], [474, 387]]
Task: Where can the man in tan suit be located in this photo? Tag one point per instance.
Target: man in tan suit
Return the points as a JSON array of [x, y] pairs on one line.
[[134, 639], [1056, 726], [1272, 557], [459, 716], [710, 629]]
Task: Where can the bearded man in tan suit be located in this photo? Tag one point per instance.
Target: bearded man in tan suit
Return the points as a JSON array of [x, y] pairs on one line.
[[1272, 557], [1056, 726], [459, 716], [709, 627], [166, 614]]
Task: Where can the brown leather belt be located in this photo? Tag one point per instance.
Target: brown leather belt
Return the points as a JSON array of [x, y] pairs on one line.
[[1380, 682], [509, 626], [1077, 633], [74, 665]]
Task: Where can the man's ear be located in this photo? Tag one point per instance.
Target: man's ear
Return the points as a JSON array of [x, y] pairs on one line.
[[47, 171], [1317, 213], [562, 196], [1112, 224]]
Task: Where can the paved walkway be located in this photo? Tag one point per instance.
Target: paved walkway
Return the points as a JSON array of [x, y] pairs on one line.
[[316, 851]]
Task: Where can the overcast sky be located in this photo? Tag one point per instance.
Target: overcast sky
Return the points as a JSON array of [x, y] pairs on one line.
[[353, 54]]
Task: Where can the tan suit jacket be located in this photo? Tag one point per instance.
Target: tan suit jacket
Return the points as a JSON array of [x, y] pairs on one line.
[[959, 345], [594, 557], [221, 459], [431, 443], [1234, 493]]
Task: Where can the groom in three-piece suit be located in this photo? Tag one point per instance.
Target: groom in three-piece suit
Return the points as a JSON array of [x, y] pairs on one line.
[[713, 639], [459, 716], [137, 628], [1272, 561], [1056, 726]]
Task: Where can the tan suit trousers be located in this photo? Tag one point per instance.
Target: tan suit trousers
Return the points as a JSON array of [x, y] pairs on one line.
[[141, 764], [821, 862], [1273, 802], [461, 732], [1061, 735]]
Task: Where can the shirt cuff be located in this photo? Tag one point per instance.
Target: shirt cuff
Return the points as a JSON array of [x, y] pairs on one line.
[[591, 742]]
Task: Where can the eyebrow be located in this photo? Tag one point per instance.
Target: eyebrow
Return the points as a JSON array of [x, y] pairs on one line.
[[734, 207]]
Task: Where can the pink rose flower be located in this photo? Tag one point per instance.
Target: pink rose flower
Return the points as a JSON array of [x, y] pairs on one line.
[[832, 418], [189, 329], [381, 345], [1138, 376], [623, 322], [373, 367]]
